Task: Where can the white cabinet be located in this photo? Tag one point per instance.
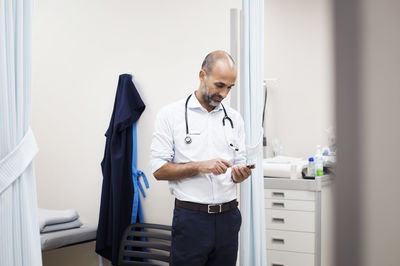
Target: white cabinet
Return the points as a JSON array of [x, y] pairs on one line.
[[301, 221], [284, 258], [290, 241], [298, 223]]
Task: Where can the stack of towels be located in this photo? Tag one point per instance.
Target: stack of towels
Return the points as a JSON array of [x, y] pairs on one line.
[[56, 220]]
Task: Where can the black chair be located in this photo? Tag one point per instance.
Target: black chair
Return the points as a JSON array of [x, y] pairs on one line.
[[140, 243]]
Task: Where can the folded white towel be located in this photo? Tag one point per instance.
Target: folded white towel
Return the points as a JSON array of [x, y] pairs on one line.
[[281, 166], [280, 159], [51, 217], [63, 226]]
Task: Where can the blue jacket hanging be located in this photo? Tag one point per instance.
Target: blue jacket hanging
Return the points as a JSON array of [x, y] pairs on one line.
[[120, 201]]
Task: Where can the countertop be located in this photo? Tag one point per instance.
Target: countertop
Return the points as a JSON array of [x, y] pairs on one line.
[[298, 184]]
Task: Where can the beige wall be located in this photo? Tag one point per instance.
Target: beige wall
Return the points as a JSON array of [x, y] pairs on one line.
[[367, 67], [299, 55], [79, 49], [380, 141]]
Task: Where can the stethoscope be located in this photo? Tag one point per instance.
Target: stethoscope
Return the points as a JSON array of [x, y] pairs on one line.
[[188, 139]]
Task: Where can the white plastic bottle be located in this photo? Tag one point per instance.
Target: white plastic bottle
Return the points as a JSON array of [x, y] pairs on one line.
[[311, 167], [319, 162]]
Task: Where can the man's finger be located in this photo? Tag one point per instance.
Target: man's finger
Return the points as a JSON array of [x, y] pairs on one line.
[[224, 167], [234, 170], [247, 171], [215, 171], [239, 173], [243, 171], [235, 173], [219, 169], [228, 164]]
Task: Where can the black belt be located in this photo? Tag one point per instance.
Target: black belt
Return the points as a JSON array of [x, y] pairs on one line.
[[208, 208]]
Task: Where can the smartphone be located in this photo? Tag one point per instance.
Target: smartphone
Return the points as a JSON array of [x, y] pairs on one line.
[[251, 166]]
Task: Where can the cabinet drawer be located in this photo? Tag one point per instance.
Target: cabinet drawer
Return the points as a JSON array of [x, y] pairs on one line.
[[289, 194], [284, 258], [292, 205], [290, 241], [290, 220]]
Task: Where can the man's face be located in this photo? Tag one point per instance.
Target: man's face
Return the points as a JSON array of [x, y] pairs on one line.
[[217, 84]]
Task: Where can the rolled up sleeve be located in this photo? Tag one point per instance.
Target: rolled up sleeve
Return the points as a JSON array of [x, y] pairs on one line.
[[162, 145]]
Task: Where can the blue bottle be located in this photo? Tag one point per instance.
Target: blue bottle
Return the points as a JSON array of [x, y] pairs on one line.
[[311, 167]]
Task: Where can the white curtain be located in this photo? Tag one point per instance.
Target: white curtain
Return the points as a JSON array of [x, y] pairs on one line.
[[252, 238], [19, 229]]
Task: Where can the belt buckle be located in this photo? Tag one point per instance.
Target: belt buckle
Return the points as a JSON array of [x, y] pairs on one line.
[[209, 208]]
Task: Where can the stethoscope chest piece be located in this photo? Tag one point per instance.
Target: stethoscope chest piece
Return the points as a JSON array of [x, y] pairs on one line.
[[188, 140]]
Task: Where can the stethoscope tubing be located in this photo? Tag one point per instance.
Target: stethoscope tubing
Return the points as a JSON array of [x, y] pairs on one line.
[[188, 139]]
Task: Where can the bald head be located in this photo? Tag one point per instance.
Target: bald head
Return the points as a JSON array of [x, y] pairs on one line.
[[215, 57], [217, 77]]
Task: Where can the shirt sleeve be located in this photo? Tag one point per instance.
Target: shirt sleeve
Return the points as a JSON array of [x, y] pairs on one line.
[[240, 156], [162, 145]]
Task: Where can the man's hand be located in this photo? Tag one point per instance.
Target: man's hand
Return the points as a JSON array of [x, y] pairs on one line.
[[216, 166], [241, 172]]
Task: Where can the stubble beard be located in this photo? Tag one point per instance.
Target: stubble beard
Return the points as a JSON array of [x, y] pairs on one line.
[[207, 98]]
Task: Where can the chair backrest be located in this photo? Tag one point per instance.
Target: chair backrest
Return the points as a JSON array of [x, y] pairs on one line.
[[140, 243]]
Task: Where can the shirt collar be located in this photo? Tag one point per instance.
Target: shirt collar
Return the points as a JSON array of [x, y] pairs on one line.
[[194, 103]]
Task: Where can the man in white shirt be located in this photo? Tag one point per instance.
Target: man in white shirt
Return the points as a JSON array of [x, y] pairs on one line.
[[199, 147]]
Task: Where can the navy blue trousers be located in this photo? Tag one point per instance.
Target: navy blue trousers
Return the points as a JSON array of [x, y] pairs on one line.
[[202, 239]]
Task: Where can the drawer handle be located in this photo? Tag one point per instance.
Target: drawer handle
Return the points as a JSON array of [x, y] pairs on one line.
[[278, 240], [278, 194], [278, 204], [278, 220], [277, 264]]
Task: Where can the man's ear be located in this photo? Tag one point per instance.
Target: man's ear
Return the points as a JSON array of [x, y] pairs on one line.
[[202, 74]]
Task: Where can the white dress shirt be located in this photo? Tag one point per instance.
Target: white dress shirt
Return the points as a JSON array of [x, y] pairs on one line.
[[210, 140]]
